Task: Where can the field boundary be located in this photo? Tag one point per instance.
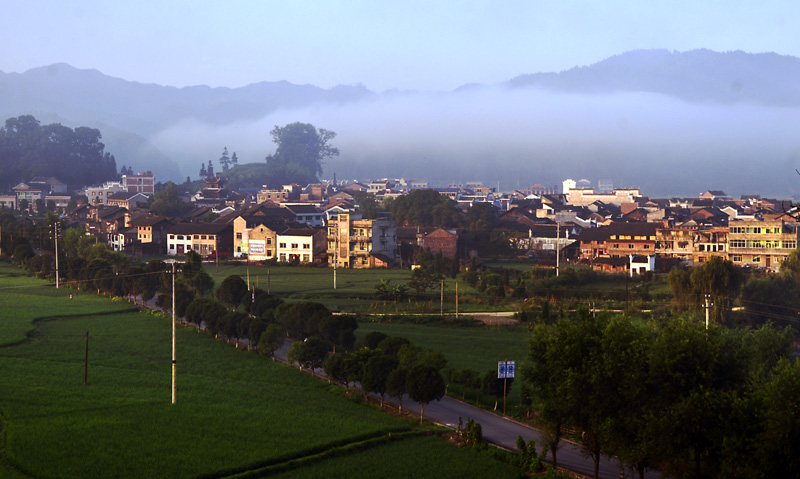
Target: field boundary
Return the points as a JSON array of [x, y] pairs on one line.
[[35, 331], [317, 454]]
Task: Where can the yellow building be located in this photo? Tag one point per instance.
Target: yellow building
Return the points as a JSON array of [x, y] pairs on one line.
[[357, 243]]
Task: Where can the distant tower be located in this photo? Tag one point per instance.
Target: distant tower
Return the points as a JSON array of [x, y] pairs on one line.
[[567, 185]]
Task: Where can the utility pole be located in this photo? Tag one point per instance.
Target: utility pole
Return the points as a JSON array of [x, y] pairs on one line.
[[55, 226], [707, 306], [456, 299], [335, 253], [173, 333], [86, 362], [441, 301], [558, 241]]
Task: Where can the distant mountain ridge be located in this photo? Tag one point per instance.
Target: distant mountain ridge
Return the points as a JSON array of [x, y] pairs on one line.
[[131, 114], [696, 76]]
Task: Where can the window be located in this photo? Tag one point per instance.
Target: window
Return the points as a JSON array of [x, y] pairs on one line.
[[282, 245], [756, 259], [647, 246], [294, 245], [172, 246], [197, 237], [269, 240], [306, 246], [180, 237], [306, 258], [630, 246], [737, 244], [238, 236], [736, 258]]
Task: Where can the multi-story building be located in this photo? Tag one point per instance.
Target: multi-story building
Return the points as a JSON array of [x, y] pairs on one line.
[[675, 243], [98, 195], [710, 242], [359, 243], [761, 243], [141, 182], [202, 238], [301, 245]]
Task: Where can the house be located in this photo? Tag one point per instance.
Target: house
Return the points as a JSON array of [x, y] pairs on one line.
[[359, 243], [439, 240], [761, 243], [125, 199], [256, 237], [307, 214], [618, 240], [151, 229], [301, 244], [8, 201], [28, 194], [202, 238], [142, 182], [48, 184], [618, 196], [640, 264], [98, 195]]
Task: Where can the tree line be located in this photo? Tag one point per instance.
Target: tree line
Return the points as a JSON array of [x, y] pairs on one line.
[[74, 156]]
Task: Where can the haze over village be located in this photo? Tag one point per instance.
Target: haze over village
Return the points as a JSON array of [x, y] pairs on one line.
[[518, 239]]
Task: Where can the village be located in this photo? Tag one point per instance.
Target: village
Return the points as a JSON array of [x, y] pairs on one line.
[[610, 229]]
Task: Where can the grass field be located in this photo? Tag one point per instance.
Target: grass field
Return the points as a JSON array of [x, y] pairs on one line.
[[235, 412], [476, 347], [355, 288]]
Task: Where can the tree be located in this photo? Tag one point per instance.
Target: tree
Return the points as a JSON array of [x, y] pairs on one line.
[[224, 160], [168, 202], [376, 372], [271, 339], [203, 172], [425, 384], [720, 279], [300, 152], [232, 290], [481, 217], [234, 159], [339, 330], [396, 384], [366, 204], [194, 276], [425, 208]]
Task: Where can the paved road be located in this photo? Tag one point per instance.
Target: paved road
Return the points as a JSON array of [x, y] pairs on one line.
[[501, 431], [496, 429]]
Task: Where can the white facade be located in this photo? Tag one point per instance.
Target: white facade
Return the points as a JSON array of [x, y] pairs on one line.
[[98, 195], [568, 184], [295, 248]]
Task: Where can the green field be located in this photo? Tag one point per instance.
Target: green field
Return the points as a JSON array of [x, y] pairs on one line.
[[236, 411], [355, 288], [476, 347]]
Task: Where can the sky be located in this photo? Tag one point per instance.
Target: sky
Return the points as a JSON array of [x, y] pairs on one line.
[[410, 45]]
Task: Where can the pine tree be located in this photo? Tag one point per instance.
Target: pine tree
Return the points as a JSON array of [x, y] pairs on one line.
[[224, 160], [235, 159], [203, 172]]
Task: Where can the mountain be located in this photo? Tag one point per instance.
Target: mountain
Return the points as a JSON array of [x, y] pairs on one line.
[[695, 76], [642, 119]]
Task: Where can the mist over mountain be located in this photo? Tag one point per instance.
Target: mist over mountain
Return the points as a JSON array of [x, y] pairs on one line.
[[670, 123]]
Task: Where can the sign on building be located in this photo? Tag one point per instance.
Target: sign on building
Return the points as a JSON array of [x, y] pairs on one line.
[[257, 247]]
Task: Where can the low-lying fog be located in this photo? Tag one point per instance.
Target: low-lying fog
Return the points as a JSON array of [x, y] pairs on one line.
[[519, 137]]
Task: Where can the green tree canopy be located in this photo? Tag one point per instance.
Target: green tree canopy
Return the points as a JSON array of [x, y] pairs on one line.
[[301, 150], [168, 202], [425, 208]]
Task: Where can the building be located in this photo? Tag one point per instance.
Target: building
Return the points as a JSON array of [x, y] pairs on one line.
[[301, 245], [587, 196], [761, 243], [439, 240], [256, 237], [98, 195], [202, 238], [359, 243], [141, 182]]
